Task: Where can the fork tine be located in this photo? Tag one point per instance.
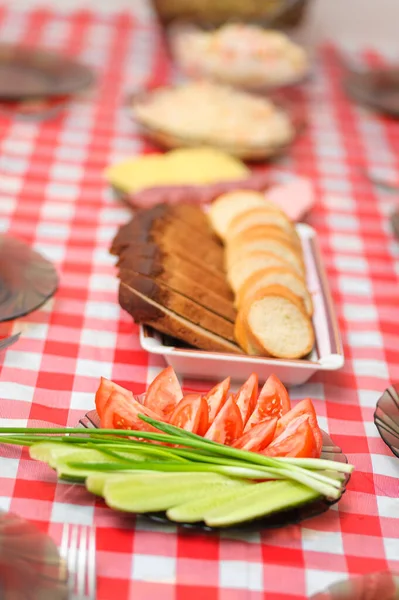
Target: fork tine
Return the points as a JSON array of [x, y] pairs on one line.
[[73, 556], [92, 565], [81, 562], [78, 548], [64, 541]]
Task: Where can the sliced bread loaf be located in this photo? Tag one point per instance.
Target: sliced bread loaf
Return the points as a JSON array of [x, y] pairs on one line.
[[250, 264], [178, 282], [157, 260], [152, 222], [147, 311], [262, 232], [241, 335], [181, 305], [207, 254], [230, 205], [275, 246], [261, 216], [275, 275], [276, 324]]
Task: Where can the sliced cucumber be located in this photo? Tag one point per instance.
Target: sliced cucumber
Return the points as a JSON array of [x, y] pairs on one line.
[[95, 483], [49, 451], [194, 510], [148, 495], [87, 456], [259, 500], [71, 474]]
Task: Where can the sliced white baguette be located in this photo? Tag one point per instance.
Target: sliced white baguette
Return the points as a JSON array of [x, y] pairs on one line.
[[240, 333], [257, 216], [250, 264], [284, 276], [261, 232], [230, 205], [275, 324], [277, 247]]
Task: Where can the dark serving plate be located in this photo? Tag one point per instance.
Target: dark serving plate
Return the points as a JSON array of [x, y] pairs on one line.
[[27, 280], [287, 517], [377, 88], [386, 418], [31, 73]]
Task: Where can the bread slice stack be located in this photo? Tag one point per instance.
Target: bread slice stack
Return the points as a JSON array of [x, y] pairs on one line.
[[171, 270], [265, 269]]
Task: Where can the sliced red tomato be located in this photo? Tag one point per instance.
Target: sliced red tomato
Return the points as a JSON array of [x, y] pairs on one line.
[[259, 437], [299, 442], [246, 397], [227, 426], [164, 393], [216, 398], [104, 392], [191, 414], [121, 413], [273, 401], [304, 407]]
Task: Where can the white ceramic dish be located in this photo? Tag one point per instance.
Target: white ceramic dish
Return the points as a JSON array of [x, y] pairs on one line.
[[327, 354]]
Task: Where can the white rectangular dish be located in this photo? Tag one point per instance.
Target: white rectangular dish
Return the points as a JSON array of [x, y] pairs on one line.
[[327, 354]]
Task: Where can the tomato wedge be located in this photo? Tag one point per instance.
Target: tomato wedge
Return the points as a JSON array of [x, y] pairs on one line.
[[298, 442], [216, 398], [227, 426], [273, 401], [191, 414], [304, 407], [104, 392], [246, 397], [164, 393], [259, 437], [121, 413]]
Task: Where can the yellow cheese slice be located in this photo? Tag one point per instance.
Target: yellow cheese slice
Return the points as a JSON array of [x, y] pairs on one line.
[[184, 166]]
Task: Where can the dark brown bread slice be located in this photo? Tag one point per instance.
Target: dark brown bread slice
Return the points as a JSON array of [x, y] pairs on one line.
[[170, 223], [192, 215], [155, 260], [185, 217], [145, 310], [181, 305], [124, 235], [174, 234], [171, 246], [190, 288]]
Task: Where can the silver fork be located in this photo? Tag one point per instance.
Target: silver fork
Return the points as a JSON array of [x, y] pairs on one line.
[[78, 549]]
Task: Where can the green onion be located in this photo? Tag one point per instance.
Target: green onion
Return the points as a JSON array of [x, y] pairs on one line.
[[186, 452]]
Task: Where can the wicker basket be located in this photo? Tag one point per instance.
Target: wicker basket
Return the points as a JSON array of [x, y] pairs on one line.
[[282, 13]]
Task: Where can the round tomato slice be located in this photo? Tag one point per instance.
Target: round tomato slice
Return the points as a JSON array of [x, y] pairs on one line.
[[300, 443], [227, 426], [164, 393], [273, 401], [246, 397], [216, 398], [120, 413], [257, 438], [191, 414], [105, 390], [304, 407]]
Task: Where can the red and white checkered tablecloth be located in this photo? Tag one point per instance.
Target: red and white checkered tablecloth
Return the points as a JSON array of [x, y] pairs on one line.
[[53, 196]]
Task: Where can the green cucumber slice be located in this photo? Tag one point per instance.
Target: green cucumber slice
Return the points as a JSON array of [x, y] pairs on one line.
[[48, 452], [152, 495], [95, 483], [194, 510], [87, 456], [259, 500]]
